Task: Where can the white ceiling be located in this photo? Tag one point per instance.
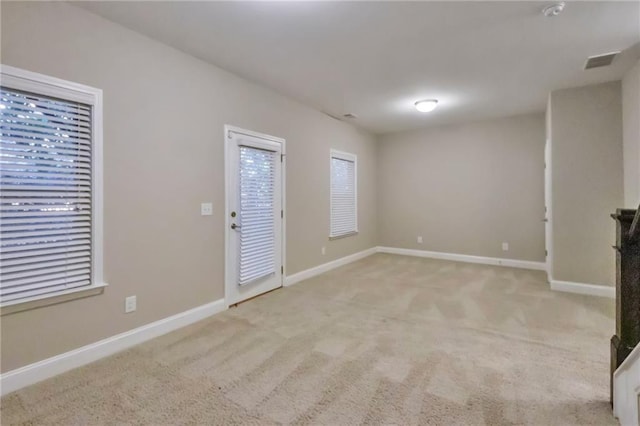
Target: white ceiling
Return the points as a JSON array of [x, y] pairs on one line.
[[375, 59]]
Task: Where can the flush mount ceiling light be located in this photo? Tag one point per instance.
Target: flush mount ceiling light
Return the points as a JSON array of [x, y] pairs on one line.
[[427, 105], [553, 9]]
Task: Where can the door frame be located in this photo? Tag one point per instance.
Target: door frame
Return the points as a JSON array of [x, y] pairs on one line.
[[548, 200], [228, 260]]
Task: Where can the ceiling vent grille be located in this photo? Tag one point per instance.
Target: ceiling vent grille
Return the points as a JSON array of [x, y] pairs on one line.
[[343, 117], [600, 60]]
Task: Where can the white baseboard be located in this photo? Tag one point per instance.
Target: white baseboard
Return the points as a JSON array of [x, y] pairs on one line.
[[325, 267], [581, 288], [626, 390], [41, 370], [513, 263]]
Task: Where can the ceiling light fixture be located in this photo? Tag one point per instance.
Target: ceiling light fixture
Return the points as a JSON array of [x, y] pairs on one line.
[[553, 9], [427, 105]]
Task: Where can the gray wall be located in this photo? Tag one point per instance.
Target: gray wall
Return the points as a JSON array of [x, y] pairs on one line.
[[164, 114], [631, 136], [587, 182], [465, 188]]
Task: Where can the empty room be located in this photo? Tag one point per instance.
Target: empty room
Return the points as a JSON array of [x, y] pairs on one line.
[[320, 212]]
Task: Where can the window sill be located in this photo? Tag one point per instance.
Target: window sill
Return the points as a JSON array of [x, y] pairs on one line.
[[35, 302], [337, 237]]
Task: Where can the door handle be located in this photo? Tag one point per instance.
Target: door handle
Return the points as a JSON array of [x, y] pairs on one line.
[[545, 220], [234, 226]]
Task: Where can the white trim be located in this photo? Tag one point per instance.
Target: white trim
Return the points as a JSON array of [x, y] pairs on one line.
[[626, 389], [228, 128], [342, 155], [346, 156], [548, 201], [228, 261], [50, 298], [28, 81], [633, 357], [513, 263], [582, 288], [41, 370], [325, 267]]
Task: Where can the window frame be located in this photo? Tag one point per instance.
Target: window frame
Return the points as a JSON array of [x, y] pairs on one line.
[[40, 84], [346, 156]]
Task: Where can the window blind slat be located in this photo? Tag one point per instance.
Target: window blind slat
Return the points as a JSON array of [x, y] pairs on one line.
[[257, 234], [11, 119], [42, 104], [24, 157], [26, 150], [17, 244], [44, 288], [257, 216], [14, 257], [33, 268], [46, 194], [42, 130], [28, 143], [18, 112], [51, 232], [11, 133], [42, 274], [9, 230], [26, 249], [30, 223], [60, 161], [44, 176], [44, 280]]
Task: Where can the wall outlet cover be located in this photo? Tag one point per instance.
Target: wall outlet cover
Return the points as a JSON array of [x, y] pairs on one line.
[[505, 246], [419, 239], [130, 304]]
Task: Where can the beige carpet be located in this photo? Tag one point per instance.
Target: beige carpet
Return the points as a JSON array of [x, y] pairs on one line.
[[386, 340]]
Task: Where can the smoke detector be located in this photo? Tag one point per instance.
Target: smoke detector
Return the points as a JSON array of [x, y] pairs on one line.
[[553, 9]]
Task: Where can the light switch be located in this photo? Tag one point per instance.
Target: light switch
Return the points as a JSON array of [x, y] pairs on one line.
[[206, 209]]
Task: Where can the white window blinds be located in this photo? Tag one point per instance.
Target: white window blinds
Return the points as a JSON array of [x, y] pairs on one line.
[[46, 195], [343, 194], [257, 215]]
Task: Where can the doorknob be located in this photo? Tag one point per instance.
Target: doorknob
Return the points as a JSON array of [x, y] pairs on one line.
[[234, 226], [545, 220]]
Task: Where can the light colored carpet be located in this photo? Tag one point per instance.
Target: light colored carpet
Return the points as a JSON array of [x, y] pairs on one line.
[[386, 340]]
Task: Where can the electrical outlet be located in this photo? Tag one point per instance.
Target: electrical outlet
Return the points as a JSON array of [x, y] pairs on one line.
[[505, 246], [130, 304], [323, 250], [420, 239], [206, 209]]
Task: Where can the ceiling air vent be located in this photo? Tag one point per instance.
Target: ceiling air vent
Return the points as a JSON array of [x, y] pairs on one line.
[[600, 60], [347, 116]]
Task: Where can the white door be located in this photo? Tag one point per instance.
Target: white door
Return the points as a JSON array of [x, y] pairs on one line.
[[254, 191], [547, 208]]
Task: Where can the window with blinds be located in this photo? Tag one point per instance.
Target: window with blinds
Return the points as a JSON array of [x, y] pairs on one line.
[[343, 198], [46, 181], [257, 214]]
